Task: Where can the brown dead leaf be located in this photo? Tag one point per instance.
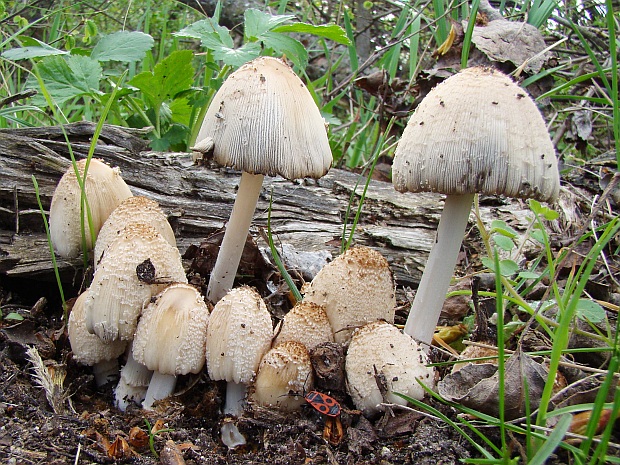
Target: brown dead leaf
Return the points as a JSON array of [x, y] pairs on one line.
[[477, 386], [120, 450], [138, 438], [171, 454]]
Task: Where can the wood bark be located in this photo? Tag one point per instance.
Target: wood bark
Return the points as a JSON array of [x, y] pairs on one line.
[[198, 199]]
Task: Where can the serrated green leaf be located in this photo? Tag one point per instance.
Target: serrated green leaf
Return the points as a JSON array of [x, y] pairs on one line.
[[292, 48], [211, 35], [503, 242], [256, 23], [506, 267], [175, 135], [67, 78], [31, 48], [181, 111], [125, 46], [238, 56], [172, 75], [328, 31], [590, 311]]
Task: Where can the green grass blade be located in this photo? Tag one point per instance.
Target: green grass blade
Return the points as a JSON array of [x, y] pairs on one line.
[[552, 442]]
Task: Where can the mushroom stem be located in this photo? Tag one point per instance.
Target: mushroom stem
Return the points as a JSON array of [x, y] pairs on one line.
[[431, 294], [160, 387], [235, 394], [229, 256], [106, 371]]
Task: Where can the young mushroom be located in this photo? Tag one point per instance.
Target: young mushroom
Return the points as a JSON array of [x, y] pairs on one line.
[[170, 338], [382, 360], [239, 334], [136, 209], [105, 190], [356, 288], [88, 349], [488, 139], [263, 121], [307, 323], [284, 374], [138, 264], [133, 383]]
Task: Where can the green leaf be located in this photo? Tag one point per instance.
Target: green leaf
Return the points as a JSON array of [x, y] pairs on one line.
[[590, 311], [68, 78], [13, 316], [528, 275], [257, 23], [545, 212], [503, 242], [211, 35], [175, 135], [501, 227], [328, 31], [538, 236], [238, 56], [172, 75], [506, 267], [126, 46], [292, 48], [32, 48]]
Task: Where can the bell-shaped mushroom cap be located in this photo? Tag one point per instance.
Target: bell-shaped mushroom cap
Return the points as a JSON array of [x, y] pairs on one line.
[[284, 373], [104, 188], [263, 120], [398, 361], [477, 132], [87, 348], [307, 323], [172, 332], [239, 334], [136, 209], [117, 295], [356, 288]]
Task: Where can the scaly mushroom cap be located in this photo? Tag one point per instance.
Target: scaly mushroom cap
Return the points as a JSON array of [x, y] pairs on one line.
[[284, 373], [356, 288], [477, 132], [116, 295], [307, 323], [172, 332], [239, 334], [263, 120], [89, 349], [398, 361], [136, 209], [105, 190]]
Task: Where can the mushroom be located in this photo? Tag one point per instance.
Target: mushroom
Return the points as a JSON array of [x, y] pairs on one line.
[[307, 323], [137, 265], [104, 189], [284, 373], [133, 383], [489, 139], [239, 334], [89, 350], [356, 288], [382, 360], [263, 121], [170, 338], [136, 209]]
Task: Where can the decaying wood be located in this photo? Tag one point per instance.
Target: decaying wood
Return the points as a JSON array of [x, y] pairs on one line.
[[307, 214]]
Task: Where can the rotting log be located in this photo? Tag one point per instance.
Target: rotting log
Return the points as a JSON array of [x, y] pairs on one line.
[[198, 199]]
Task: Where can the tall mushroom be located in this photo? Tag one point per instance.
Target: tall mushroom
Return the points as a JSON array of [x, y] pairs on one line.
[[477, 132], [263, 121]]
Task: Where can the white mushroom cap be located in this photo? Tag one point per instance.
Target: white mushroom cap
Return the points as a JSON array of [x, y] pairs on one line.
[[307, 323], [87, 348], [263, 120], [104, 188], [398, 360], [356, 288], [477, 132], [172, 332], [284, 374], [136, 209], [116, 295], [239, 334]]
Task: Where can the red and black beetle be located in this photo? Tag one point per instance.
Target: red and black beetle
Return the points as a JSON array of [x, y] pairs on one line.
[[323, 403]]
